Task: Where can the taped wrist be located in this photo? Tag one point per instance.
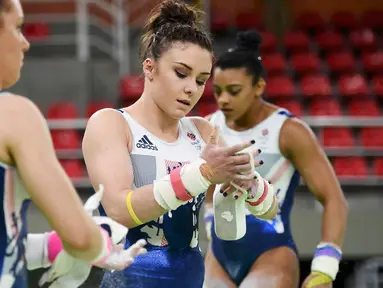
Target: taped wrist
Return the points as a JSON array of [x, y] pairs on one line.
[[54, 247], [37, 251], [326, 259], [180, 186]]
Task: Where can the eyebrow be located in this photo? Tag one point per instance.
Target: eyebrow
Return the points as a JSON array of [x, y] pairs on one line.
[[190, 68]]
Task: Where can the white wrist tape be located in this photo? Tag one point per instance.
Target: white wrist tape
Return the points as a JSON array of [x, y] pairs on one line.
[[192, 181], [326, 259], [37, 251]]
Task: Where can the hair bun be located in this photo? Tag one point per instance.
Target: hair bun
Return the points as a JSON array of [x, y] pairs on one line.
[[175, 12], [249, 40]]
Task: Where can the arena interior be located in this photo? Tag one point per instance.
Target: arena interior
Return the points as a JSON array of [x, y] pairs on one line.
[[324, 62]]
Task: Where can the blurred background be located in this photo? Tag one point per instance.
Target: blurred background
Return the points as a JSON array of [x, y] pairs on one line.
[[324, 60]]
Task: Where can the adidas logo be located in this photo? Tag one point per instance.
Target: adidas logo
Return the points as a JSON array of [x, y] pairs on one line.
[[145, 143]]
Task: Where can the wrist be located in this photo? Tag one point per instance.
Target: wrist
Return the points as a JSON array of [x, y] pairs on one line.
[[326, 259]]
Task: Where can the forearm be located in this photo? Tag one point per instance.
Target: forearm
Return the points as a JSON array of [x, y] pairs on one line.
[[334, 221]]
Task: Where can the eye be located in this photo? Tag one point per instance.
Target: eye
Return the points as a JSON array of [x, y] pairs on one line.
[[234, 91], [180, 75], [217, 91], [20, 27], [201, 83]]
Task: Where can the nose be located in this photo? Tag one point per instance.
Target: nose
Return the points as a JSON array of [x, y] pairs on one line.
[[223, 99], [191, 88], [25, 44]]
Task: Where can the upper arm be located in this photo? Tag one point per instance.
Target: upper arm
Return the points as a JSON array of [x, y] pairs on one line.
[[299, 144], [31, 150], [106, 154]]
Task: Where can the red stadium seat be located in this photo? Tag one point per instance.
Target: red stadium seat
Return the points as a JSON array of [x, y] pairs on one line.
[[280, 86], [316, 86], [363, 108], [293, 106], [132, 87], [344, 20], [73, 168], [337, 137], [247, 21], [62, 110], [378, 166], [373, 19], [342, 61], [325, 107], [352, 85], [350, 166], [204, 109], [36, 31], [269, 42], [373, 62], [371, 136], [274, 63], [310, 21], [377, 86], [307, 62], [95, 106], [220, 21], [66, 139], [363, 39], [296, 41], [208, 93], [330, 40]]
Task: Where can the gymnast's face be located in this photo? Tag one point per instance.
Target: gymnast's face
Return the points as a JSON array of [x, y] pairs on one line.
[[13, 44], [178, 77], [234, 91]]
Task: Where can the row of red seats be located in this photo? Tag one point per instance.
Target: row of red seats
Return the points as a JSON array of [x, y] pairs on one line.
[[343, 166], [68, 110], [309, 62], [321, 107], [368, 137], [313, 86], [341, 20], [283, 86]]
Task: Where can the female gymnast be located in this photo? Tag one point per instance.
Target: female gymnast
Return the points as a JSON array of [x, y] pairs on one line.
[[289, 149], [156, 163], [27, 159]]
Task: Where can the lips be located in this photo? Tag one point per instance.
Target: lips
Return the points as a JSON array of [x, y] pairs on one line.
[[184, 102]]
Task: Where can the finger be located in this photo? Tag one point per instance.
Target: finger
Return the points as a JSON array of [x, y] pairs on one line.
[[244, 168], [237, 148], [242, 177], [142, 251], [245, 157], [228, 190], [136, 247], [214, 136]]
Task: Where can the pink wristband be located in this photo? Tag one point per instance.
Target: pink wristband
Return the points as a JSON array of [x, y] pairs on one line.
[[55, 246], [264, 194], [178, 186]]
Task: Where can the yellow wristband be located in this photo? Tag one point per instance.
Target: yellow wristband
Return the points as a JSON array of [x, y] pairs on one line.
[[130, 209]]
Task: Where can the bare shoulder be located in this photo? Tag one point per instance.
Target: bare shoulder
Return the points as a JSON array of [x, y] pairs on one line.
[[17, 107], [204, 127], [295, 134], [106, 125]]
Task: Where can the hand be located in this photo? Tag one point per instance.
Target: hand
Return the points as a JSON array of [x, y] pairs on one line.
[[317, 280], [224, 164], [69, 272]]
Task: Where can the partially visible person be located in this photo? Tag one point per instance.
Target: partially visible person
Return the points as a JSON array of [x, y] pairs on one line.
[[29, 170], [267, 255]]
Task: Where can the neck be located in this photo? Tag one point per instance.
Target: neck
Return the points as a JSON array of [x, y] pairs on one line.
[[154, 117], [251, 118]]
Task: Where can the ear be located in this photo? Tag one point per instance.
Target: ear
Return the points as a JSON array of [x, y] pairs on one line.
[[260, 87], [148, 67]]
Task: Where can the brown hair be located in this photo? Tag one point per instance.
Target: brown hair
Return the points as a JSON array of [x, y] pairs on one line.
[[171, 21]]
